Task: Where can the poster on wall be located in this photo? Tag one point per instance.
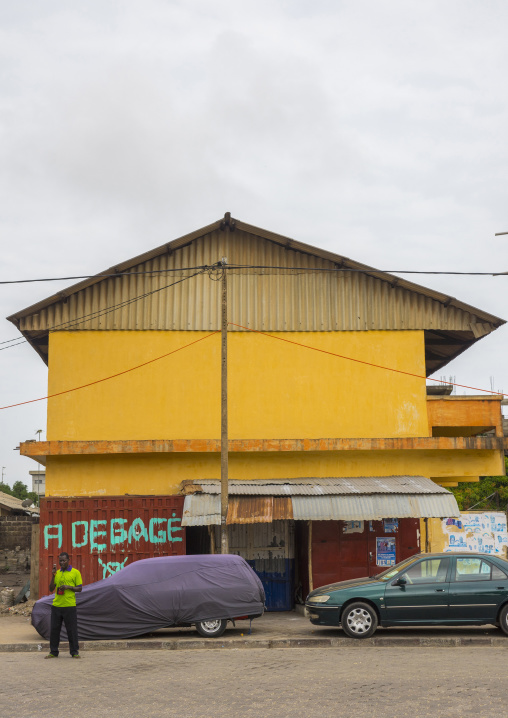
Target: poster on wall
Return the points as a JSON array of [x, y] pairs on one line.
[[476, 532], [391, 526], [352, 527], [385, 551]]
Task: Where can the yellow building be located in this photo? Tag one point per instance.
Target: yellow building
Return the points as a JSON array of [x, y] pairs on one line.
[[333, 438]]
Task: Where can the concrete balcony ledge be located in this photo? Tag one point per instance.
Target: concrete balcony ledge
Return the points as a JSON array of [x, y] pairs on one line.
[[39, 450]]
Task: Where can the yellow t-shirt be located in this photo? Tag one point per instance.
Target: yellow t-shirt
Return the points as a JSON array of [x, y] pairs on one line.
[[70, 577]]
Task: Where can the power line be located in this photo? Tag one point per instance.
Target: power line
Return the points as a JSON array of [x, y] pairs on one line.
[[362, 361], [99, 313], [201, 269], [102, 276], [299, 270], [112, 376], [366, 270], [266, 334]]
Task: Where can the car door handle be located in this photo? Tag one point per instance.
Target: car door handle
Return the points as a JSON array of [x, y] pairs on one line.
[[440, 590]]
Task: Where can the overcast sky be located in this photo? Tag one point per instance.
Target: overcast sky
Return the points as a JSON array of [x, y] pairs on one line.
[[374, 129]]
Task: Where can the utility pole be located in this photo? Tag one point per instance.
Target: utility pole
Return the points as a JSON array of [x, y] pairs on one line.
[[227, 225], [224, 439]]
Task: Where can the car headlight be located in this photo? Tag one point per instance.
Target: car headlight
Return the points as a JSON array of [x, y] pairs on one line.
[[318, 599]]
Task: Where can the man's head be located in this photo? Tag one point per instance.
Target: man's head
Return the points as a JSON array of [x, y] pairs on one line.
[[63, 560]]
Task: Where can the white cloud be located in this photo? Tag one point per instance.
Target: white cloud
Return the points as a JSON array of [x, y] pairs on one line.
[[375, 129]]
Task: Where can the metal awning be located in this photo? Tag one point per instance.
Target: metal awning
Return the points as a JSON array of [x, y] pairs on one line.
[[318, 499]]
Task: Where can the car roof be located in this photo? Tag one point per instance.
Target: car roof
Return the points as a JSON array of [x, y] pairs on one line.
[[459, 554]]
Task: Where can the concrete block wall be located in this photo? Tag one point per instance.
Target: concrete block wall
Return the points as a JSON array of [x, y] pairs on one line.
[[16, 531]]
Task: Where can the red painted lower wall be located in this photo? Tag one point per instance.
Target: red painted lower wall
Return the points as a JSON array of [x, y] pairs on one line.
[[102, 535]]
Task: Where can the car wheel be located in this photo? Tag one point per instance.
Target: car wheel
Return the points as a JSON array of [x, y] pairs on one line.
[[211, 629], [503, 619], [359, 620]]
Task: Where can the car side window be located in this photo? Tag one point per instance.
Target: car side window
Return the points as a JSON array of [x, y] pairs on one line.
[[498, 574], [472, 569], [431, 570]]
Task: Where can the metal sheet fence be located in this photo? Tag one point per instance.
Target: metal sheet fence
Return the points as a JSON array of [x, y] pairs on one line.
[[102, 535]]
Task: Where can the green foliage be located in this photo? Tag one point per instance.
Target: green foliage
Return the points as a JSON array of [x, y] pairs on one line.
[[5, 488], [33, 496], [20, 490], [468, 495]]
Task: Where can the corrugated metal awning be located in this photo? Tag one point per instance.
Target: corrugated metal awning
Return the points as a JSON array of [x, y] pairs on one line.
[[201, 510], [204, 509], [373, 508], [259, 509], [356, 485], [318, 499]]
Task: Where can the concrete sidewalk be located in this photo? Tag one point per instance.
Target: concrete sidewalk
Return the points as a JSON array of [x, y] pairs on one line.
[[273, 630]]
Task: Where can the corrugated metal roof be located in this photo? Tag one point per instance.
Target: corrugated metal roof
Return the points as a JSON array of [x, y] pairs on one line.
[[359, 485], [373, 508], [261, 299], [351, 499], [11, 502], [259, 509]]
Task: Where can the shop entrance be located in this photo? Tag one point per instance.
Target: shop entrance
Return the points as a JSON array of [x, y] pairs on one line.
[[269, 549], [342, 550]]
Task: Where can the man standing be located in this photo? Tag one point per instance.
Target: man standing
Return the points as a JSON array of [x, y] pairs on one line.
[[67, 582]]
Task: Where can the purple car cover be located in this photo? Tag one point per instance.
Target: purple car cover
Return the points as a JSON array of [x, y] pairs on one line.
[[160, 592]]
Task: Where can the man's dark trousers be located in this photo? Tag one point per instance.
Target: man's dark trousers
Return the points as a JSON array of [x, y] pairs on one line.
[[69, 615]]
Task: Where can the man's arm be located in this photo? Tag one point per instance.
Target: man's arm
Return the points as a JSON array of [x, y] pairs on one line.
[[52, 582], [76, 589]]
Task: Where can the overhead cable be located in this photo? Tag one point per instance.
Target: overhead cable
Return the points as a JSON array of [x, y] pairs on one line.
[[112, 376], [99, 312], [368, 270], [266, 334], [362, 361]]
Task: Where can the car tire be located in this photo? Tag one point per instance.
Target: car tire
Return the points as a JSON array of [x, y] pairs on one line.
[[503, 619], [212, 628], [359, 620]]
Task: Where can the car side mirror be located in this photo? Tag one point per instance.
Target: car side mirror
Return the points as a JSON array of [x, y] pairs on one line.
[[401, 581]]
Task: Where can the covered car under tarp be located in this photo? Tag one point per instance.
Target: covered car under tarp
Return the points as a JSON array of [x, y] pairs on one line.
[[161, 592]]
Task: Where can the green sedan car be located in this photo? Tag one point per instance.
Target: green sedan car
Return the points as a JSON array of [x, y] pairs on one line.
[[440, 589]]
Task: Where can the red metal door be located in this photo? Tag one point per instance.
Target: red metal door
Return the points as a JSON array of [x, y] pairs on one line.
[[354, 550], [339, 551], [344, 550], [404, 532], [325, 552], [103, 534]]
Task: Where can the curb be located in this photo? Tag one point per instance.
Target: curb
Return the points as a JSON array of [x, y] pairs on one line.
[[213, 644]]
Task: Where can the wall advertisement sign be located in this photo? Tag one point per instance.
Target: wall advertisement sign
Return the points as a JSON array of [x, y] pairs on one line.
[[385, 551], [476, 532]]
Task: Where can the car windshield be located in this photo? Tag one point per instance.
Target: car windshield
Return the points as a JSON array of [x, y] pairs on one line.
[[394, 570]]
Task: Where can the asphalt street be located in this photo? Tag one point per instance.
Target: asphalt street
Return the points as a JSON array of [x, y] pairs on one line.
[[279, 683]]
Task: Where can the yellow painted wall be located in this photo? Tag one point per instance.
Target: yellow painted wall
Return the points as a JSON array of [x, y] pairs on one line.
[[276, 389], [162, 473]]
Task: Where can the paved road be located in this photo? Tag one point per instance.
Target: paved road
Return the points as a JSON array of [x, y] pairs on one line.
[[276, 683]]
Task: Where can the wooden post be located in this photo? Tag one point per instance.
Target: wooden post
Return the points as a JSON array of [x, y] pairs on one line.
[[211, 533], [34, 563], [427, 539], [311, 581], [224, 453]]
